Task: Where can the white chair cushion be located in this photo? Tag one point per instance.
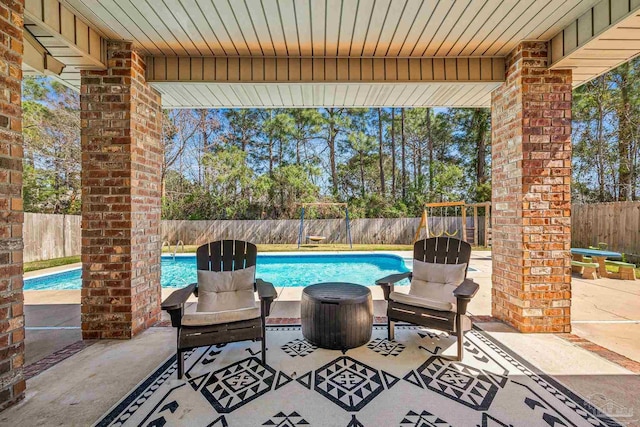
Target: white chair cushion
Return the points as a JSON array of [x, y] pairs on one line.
[[433, 291], [431, 304], [450, 274], [222, 307], [205, 318], [421, 302], [225, 301], [226, 281]]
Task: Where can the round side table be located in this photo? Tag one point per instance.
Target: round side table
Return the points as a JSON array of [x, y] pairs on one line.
[[337, 316]]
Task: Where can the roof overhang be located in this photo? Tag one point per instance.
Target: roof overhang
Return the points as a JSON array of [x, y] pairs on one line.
[[602, 38], [287, 53]]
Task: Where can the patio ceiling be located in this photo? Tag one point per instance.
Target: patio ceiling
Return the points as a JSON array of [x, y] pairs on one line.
[[266, 95], [383, 28], [261, 53]]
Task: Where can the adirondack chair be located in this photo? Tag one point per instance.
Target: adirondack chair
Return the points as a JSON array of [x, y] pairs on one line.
[[439, 291], [227, 310]]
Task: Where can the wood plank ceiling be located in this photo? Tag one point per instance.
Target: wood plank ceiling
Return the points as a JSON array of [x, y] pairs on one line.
[[330, 29]]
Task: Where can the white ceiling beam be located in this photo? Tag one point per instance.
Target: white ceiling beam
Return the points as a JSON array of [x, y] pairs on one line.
[[325, 94], [601, 39], [35, 58], [315, 70], [55, 21]]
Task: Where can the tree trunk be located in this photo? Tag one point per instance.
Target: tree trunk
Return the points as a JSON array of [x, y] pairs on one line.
[[331, 140], [297, 152], [382, 189], [624, 135], [414, 161], [203, 135], [481, 132], [600, 161], [362, 189], [243, 141], [271, 146], [403, 155], [430, 150], [393, 154]]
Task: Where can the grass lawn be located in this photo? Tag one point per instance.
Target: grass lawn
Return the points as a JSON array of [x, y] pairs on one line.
[[614, 269], [39, 265]]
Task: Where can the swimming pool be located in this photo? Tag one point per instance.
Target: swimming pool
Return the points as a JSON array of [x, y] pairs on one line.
[[281, 270]]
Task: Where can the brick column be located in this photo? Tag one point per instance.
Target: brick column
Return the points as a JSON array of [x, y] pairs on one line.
[[531, 176], [12, 383], [121, 162]]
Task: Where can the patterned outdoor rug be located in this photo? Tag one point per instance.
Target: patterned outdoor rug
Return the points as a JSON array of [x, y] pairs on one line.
[[404, 382]]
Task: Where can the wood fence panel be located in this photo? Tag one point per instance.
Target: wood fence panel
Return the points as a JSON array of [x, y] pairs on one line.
[[617, 224], [363, 231], [48, 236]]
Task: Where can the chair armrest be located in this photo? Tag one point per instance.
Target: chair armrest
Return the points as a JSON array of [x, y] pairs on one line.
[[266, 290], [463, 293], [177, 299], [393, 278], [387, 282], [267, 293], [174, 304]]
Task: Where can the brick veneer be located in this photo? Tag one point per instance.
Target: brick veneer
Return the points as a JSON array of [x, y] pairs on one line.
[[531, 174], [121, 163], [12, 382]]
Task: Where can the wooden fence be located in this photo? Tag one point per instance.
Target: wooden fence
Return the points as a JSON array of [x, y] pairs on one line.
[[363, 231], [53, 236], [48, 236], [616, 224], [367, 231]]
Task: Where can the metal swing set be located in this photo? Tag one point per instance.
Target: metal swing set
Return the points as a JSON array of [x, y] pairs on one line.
[[318, 238]]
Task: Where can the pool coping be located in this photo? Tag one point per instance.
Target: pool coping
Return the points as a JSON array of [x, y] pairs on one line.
[[405, 255]]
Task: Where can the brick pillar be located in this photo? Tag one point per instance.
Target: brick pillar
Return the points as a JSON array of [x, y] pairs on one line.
[[531, 176], [121, 162], [12, 383]]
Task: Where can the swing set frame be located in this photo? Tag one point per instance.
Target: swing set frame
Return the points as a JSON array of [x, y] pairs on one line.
[[424, 221], [346, 214]]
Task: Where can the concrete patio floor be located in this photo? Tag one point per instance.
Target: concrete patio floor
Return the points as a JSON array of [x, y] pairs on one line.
[[604, 311]]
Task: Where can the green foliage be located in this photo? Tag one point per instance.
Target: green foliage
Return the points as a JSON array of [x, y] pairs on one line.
[[606, 143], [51, 129], [262, 163], [280, 193], [449, 183], [483, 192]]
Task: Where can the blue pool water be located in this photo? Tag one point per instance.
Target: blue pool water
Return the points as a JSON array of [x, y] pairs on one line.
[[281, 270]]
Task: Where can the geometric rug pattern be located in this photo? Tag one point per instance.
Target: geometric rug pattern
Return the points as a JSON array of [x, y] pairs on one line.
[[410, 381]]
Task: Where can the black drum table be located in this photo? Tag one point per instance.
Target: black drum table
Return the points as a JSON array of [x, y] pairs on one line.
[[337, 316]]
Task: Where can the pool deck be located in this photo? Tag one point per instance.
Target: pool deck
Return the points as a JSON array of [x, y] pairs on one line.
[[605, 311]]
